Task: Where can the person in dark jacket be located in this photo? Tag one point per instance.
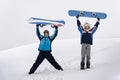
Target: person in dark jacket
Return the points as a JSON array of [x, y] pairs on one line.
[[86, 41], [45, 49]]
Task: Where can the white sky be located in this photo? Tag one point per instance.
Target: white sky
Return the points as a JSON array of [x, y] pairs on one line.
[[15, 30]]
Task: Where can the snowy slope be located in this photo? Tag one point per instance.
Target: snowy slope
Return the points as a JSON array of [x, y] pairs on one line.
[[15, 63]]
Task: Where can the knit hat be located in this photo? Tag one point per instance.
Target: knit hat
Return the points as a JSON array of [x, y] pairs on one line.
[[86, 24]]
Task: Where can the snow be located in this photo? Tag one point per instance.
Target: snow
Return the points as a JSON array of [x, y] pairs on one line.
[[15, 63]]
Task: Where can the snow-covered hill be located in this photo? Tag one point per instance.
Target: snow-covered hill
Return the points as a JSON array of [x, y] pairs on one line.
[[15, 63]]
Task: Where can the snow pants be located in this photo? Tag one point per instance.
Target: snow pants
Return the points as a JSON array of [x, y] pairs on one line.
[[85, 53], [42, 55]]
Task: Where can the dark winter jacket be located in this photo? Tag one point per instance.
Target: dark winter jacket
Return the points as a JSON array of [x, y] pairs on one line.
[[87, 37], [45, 42]]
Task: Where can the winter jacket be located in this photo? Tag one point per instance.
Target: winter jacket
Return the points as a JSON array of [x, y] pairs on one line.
[[87, 37], [45, 42]]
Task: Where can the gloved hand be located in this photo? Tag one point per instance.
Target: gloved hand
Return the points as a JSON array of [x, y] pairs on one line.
[[42, 25], [52, 25], [77, 16], [55, 26], [37, 25], [98, 18]]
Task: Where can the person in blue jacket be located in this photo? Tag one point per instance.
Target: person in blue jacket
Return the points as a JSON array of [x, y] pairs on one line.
[[86, 41], [45, 49]]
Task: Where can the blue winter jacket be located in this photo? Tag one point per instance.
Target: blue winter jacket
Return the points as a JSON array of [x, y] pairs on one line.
[[45, 42], [87, 37]]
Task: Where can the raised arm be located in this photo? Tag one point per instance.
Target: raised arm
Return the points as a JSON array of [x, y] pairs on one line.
[[38, 32], [93, 30], [80, 28], [55, 33]]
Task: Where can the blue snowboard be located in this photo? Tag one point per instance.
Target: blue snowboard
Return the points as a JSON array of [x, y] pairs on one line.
[[33, 20], [87, 14]]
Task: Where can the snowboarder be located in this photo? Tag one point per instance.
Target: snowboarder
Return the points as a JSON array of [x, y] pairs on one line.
[[45, 49], [86, 41]]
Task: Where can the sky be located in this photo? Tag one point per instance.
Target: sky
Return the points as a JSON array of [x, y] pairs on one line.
[[16, 31]]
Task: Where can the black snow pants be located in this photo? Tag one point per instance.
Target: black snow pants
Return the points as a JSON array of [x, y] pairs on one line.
[[45, 55]]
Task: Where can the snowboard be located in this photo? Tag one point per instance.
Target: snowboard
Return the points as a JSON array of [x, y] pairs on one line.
[[42, 21], [90, 14]]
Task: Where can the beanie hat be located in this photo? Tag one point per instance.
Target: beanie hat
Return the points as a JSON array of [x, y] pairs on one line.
[[86, 24]]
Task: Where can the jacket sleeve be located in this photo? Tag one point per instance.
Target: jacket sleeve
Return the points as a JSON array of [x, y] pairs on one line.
[[80, 28], [38, 33], [55, 34], [95, 27]]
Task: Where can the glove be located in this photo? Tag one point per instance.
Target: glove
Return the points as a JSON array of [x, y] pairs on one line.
[[98, 18], [77, 16], [52, 25], [42, 25], [37, 25], [55, 26]]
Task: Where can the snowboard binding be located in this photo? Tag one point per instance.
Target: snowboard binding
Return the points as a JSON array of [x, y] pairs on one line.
[[81, 13], [94, 14]]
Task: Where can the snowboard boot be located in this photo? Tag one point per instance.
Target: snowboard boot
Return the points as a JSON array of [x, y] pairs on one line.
[[61, 69], [82, 65], [30, 73], [88, 65]]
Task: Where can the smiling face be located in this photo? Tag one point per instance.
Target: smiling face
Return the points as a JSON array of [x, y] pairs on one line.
[[86, 28], [46, 33]]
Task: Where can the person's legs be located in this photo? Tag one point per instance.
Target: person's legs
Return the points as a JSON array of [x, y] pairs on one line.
[[83, 53], [88, 55], [51, 59], [38, 61]]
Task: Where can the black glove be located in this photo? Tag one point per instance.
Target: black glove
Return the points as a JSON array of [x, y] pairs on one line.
[[55, 26], [52, 25], [42, 25], [37, 25], [77, 16], [98, 18]]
